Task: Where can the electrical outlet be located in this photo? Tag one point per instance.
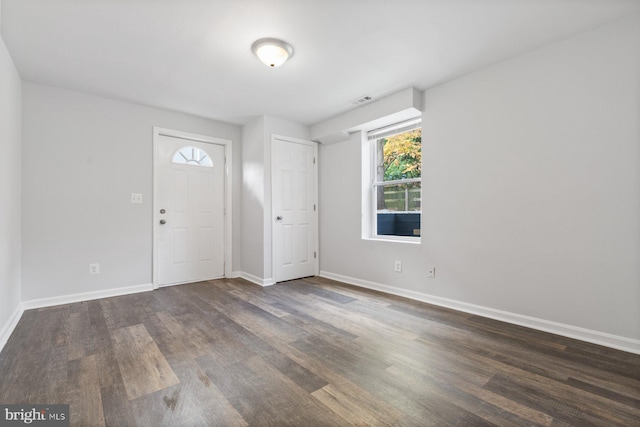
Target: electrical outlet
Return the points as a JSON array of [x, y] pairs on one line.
[[94, 268], [136, 198], [431, 272], [398, 266]]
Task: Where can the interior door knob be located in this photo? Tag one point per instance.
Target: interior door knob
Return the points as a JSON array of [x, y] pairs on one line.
[[163, 222], [279, 218]]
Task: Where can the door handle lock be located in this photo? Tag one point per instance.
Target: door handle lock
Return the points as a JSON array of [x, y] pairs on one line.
[[163, 222], [279, 218]]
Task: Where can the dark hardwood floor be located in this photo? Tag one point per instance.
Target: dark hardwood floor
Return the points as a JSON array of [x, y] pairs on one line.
[[309, 352]]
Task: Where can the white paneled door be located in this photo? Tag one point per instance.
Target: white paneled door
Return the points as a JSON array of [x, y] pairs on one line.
[[294, 209], [190, 204]]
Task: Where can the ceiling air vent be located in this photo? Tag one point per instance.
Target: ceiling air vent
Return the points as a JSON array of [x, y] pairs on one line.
[[361, 100]]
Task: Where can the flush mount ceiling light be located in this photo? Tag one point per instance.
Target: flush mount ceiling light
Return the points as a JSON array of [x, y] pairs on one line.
[[272, 52]]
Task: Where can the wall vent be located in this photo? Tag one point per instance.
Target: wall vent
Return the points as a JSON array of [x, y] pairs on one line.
[[361, 100]]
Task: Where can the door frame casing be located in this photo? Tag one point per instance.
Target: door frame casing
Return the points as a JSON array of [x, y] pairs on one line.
[[228, 213], [313, 144]]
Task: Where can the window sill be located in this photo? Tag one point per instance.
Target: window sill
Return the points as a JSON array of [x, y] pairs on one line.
[[394, 239]]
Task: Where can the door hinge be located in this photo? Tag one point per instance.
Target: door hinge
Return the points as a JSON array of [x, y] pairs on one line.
[[314, 160], [314, 208], [314, 255]]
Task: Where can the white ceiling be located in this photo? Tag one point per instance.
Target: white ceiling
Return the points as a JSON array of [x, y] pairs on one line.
[[195, 55]]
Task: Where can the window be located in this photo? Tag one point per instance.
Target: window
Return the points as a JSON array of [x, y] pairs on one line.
[[192, 156], [396, 180]]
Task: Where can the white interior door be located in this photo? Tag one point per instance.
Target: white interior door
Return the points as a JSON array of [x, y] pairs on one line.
[[295, 229], [190, 210]]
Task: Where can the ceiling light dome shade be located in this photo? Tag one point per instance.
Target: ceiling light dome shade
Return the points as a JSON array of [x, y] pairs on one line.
[[272, 52]]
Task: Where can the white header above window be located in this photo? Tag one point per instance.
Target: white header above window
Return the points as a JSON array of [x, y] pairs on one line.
[[394, 129], [395, 108]]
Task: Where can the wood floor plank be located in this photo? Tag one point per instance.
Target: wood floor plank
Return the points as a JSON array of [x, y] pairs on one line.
[[261, 301], [367, 400], [107, 363], [198, 388], [40, 371], [453, 388], [516, 360], [208, 296], [371, 374], [447, 366], [123, 311], [560, 409], [188, 338], [167, 407], [171, 299], [81, 334], [300, 375], [262, 323], [268, 397], [463, 403], [631, 401], [194, 401], [117, 409], [343, 360], [327, 294], [312, 324], [358, 294], [170, 345], [239, 343], [84, 396], [582, 401], [350, 407], [143, 367], [342, 318]]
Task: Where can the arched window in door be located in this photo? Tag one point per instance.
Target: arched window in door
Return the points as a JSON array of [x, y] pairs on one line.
[[192, 156]]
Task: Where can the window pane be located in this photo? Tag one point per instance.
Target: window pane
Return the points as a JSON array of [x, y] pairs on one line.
[[398, 209], [399, 156], [192, 156]]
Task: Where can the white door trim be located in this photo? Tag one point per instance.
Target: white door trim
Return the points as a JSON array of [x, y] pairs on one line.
[[315, 198], [157, 132]]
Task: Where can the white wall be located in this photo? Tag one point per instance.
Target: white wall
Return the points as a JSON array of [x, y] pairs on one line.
[[83, 157], [253, 198], [256, 198], [531, 200], [10, 189]]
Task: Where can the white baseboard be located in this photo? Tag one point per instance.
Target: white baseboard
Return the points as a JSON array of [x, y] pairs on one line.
[[10, 325], [256, 280], [235, 274], [85, 296], [601, 338]]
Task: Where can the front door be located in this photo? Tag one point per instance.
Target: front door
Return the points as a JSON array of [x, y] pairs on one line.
[[295, 229], [190, 204]]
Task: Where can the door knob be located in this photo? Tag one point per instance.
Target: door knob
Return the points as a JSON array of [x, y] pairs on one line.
[[279, 218], [163, 222], [162, 211]]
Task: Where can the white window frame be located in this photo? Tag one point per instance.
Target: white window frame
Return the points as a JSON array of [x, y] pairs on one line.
[[370, 140]]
